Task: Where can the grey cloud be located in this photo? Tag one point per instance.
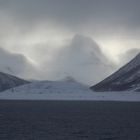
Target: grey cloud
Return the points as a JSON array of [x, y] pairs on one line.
[[77, 14]]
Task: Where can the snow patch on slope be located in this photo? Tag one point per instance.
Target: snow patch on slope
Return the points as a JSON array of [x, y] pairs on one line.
[[62, 90]]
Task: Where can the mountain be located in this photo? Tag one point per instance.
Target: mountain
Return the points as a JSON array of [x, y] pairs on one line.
[[8, 81], [126, 78]]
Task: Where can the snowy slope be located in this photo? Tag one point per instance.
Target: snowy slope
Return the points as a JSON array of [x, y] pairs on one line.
[[126, 78], [50, 87], [8, 81], [64, 90]]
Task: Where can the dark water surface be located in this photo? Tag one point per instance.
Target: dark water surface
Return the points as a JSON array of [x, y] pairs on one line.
[[69, 120]]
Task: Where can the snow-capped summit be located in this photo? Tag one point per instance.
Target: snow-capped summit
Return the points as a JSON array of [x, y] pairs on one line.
[[126, 78], [8, 81]]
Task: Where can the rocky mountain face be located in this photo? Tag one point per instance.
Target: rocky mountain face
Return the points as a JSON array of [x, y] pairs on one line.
[[125, 79], [8, 81]]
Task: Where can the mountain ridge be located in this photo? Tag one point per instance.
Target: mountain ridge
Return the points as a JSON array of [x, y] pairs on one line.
[[126, 78], [8, 81]]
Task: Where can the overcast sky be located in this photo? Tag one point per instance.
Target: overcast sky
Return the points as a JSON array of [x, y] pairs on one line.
[[41, 29]]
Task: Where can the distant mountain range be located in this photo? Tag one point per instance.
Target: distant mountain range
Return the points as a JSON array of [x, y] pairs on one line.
[[125, 79]]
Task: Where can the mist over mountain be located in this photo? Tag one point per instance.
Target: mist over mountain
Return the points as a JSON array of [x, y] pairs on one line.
[[44, 31], [16, 64], [81, 59], [128, 56]]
